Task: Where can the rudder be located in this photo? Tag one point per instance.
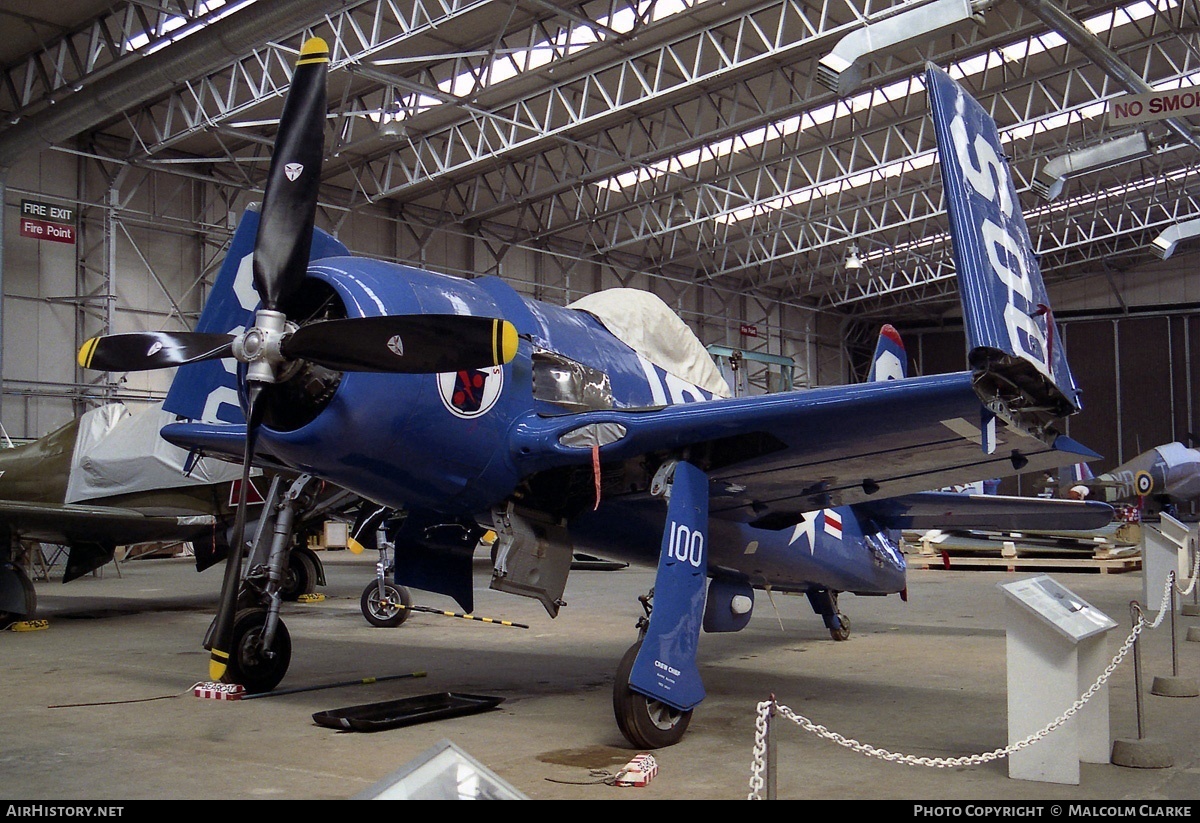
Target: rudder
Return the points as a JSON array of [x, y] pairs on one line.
[[1012, 340]]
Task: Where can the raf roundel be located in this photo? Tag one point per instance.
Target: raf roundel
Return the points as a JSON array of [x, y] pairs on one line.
[[1144, 483]]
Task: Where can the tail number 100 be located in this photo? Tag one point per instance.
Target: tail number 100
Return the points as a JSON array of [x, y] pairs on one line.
[[686, 545]]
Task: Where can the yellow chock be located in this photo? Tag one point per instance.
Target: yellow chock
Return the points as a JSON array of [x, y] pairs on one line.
[[310, 598], [29, 625]]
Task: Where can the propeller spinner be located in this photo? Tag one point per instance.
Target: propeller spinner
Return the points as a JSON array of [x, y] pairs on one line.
[[404, 343]]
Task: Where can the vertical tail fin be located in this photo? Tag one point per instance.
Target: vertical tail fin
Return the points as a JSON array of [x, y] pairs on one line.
[[891, 358], [207, 391], [1014, 346]]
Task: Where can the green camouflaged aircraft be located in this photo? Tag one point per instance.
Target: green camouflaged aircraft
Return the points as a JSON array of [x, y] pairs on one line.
[[107, 479]]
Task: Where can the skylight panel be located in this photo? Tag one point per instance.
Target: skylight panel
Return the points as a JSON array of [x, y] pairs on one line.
[[180, 27], [567, 42]]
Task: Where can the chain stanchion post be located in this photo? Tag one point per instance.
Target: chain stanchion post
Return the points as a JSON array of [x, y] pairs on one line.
[[772, 758], [1141, 753], [1174, 686], [1192, 609], [1174, 645]]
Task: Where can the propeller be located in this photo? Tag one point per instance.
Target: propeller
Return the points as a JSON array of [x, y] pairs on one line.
[[401, 343], [410, 343], [153, 350]]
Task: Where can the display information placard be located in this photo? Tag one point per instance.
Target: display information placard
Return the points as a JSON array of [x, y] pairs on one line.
[[1059, 606]]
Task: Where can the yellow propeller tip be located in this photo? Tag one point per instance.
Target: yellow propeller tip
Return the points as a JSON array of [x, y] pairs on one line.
[[217, 665], [314, 50], [508, 342], [354, 546], [86, 351]]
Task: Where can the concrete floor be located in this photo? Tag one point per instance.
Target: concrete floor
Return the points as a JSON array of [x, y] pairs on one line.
[[100, 706]]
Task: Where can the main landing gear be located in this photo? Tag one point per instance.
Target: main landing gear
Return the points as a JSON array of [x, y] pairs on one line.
[[645, 722], [261, 648], [18, 600], [658, 684]]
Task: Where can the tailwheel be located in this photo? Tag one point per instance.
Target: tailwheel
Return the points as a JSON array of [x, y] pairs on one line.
[[250, 665], [385, 604], [646, 723], [839, 628]]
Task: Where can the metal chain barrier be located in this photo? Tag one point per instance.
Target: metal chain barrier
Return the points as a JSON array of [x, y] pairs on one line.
[[765, 708]]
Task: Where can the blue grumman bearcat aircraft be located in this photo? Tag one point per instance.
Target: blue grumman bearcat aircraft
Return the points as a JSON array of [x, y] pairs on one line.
[[462, 406]]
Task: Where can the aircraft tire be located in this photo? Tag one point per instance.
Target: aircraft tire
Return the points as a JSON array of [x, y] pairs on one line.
[[299, 578], [842, 631], [387, 612], [645, 722], [248, 666]]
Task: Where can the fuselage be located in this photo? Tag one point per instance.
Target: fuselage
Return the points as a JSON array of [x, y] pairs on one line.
[[441, 441], [445, 443]]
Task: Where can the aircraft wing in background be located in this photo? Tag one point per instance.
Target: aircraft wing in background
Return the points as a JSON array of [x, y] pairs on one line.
[[80, 526]]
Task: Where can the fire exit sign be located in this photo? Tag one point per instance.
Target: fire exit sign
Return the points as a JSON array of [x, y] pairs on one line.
[[47, 221]]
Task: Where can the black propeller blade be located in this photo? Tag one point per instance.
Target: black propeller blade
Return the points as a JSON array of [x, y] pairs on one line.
[[281, 253], [222, 634], [413, 344], [290, 199], [139, 351]]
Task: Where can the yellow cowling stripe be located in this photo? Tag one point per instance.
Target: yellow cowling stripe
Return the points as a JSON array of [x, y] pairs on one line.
[[314, 50], [86, 351]]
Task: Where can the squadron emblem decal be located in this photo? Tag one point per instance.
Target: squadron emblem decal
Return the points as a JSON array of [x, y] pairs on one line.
[[470, 393]]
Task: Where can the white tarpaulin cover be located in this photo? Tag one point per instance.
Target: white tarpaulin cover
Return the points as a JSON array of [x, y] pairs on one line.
[[648, 326], [117, 452]]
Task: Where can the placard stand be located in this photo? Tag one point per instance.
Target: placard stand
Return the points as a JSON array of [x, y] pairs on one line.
[[1165, 548], [1057, 650]]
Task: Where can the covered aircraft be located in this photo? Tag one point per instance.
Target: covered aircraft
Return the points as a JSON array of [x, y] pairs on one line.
[[108, 479], [466, 406]]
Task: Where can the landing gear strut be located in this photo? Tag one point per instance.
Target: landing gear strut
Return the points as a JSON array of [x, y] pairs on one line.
[[261, 649], [385, 603], [658, 684]]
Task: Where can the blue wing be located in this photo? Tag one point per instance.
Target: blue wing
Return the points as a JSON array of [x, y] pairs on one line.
[[771, 458]]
